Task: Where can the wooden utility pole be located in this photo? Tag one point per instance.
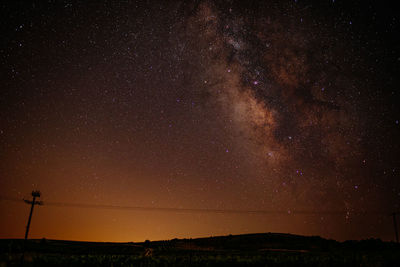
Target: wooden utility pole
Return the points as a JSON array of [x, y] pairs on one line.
[[395, 226], [35, 194]]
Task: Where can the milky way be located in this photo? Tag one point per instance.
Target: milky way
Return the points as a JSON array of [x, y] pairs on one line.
[[282, 90], [282, 106]]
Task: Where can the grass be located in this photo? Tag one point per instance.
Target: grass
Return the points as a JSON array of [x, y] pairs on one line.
[[239, 250]]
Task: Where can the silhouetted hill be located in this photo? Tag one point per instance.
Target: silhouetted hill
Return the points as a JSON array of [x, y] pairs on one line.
[[273, 249]]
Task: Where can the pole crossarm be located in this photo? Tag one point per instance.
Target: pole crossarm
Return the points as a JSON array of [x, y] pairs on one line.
[[36, 202]]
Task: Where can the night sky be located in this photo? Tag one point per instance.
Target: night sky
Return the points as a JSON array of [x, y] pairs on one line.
[[290, 107]]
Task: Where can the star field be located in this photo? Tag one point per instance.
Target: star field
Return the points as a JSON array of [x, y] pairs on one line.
[[234, 105]]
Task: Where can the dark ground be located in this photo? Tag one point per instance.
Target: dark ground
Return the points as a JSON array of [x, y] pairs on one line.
[[233, 250]]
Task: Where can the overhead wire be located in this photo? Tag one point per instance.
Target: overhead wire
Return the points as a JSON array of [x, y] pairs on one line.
[[198, 210]]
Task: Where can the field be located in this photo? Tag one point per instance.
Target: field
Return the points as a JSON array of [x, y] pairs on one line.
[[233, 250]]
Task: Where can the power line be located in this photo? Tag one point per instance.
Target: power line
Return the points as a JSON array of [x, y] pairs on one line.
[[187, 210], [10, 198], [198, 210]]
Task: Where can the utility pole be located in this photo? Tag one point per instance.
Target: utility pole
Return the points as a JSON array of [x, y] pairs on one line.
[[35, 194], [395, 226]]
